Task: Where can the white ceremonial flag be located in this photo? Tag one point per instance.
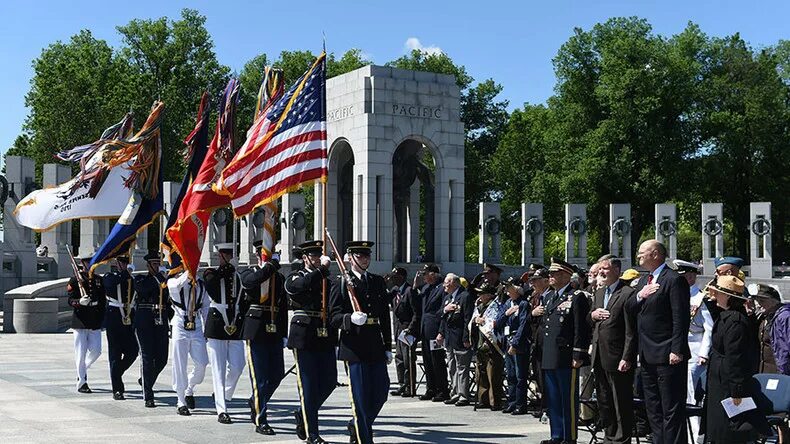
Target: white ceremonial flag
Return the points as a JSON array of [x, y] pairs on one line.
[[43, 209]]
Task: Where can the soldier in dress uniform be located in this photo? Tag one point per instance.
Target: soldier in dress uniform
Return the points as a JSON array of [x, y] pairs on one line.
[[121, 341], [566, 339], [312, 338], [152, 315], [264, 329], [190, 303], [403, 308], [226, 353], [86, 296], [365, 339], [700, 331]]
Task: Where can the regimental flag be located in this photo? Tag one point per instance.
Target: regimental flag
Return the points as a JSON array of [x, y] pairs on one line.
[[285, 148], [145, 180], [188, 233], [197, 143], [89, 194]]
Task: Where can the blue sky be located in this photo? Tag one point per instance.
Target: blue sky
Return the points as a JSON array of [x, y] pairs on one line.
[[512, 42]]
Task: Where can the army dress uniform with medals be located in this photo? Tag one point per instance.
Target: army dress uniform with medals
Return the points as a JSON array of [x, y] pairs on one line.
[[88, 301], [264, 330], [226, 352], [312, 340], [365, 340], [152, 315], [566, 337], [121, 341], [190, 303]]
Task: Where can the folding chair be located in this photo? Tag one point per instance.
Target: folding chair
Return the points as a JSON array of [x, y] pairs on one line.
[[775, 397], [592, 426]]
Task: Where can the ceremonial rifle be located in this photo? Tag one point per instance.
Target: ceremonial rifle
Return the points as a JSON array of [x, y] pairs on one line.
[[344, 271], [80, 280]]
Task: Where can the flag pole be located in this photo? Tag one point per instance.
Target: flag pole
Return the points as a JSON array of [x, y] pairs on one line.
[[323, 197]]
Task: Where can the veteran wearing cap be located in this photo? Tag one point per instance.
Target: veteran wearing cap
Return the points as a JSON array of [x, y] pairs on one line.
[[311, 338], [732, 362], [86, 297], [403, 308], [700, 330], [121, 341], [513, 322], [431, 295], [152, 315], [566, 339], [773, 320], [223, 330], [264, 329], [488, 348], [360, 310], [538, 280]]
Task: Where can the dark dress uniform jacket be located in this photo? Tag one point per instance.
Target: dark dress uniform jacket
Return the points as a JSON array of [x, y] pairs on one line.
[[432, 304], [403, 308], [304, 288], [614, 338], [215, 323], [367, 342], [111, 281], [87, 316], [148, 288], [663, 319], [258, 315], [454, 324], [566, 333]]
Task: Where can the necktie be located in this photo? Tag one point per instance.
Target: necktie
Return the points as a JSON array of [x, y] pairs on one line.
[[606, 297]]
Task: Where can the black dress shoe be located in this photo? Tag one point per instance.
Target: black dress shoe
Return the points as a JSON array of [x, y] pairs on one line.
[[223, 418], [184, 411], [397, 392], [551, 441], [463, 402], [519, 411], [301, 433], [140, 382], [441, 397], [316, 440], [264, 429], [495, 408], [508, 409], [406, 394], [190, 400], [84, 388], [427, 396], [150, 403], [118, 396], [452, 400]]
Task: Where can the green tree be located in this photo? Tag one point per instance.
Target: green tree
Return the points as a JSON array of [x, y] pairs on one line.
[[173, 61]]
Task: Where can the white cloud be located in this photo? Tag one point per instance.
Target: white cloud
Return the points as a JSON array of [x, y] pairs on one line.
[[413, 43]]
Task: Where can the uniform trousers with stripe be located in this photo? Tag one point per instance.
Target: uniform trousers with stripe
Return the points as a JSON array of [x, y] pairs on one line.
[[267, 369], [227, 360], [87, 349], [153, 341], [316, 372], [561, 388], [122, 347], [369, 386], [186, 344]]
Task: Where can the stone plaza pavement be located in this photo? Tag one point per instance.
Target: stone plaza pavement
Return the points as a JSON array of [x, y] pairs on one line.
[[39, 403]]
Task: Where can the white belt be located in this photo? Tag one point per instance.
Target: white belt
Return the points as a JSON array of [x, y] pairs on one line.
[[113, 303]]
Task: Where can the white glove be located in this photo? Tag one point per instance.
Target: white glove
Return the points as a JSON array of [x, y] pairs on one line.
[[285, 342], [389, 357], [85, 300], [325, 261], [359, 318]]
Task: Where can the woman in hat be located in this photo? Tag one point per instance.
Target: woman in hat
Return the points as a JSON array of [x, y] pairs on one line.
[[732, 364]]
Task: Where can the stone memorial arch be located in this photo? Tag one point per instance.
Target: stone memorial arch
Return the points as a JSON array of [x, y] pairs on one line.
[[396, 159]]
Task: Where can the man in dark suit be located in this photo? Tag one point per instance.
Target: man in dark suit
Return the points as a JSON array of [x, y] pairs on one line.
[[432, 296], [456, 314], [613, 351], [402, 315], [662, 304]]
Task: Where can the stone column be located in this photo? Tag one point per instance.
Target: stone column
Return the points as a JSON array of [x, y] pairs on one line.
[[140, 249], [760, 229], [170, 192], [667, 228], [58, 238], [292, 211], [215, 235], [489, 232], [576, 234], [20, 173], [368, 225], [620, 233], [413, 227], [249, 233], [93, 232], [712, 236], [532, 233]]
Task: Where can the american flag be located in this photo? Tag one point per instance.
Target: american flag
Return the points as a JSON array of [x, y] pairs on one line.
[[285, 148]]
